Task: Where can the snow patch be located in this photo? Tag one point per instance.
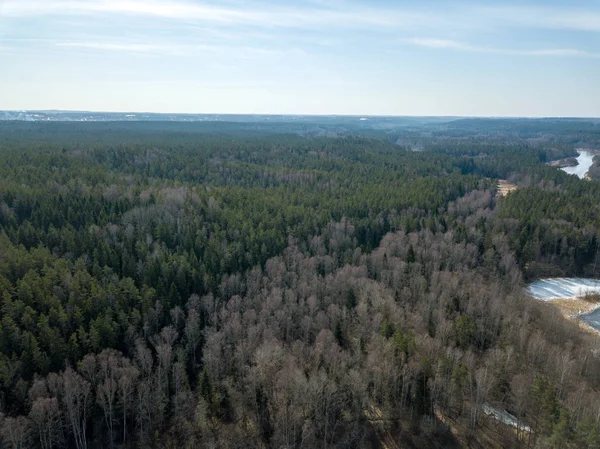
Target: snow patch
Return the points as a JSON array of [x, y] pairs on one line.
[[504, 416], [562, 288]]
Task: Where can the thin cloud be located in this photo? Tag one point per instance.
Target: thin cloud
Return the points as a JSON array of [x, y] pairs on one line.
[[351, 16], [242, 52], [324, 18], [547, 17], [112, 46], [461, 46], [317, 13], [558, 52], [174, 10], [438, 43]]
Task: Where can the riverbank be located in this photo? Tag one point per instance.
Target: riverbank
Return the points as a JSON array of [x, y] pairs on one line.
[[576, 299], [576, 309], [584, 162], [585, 165], [561, 163]]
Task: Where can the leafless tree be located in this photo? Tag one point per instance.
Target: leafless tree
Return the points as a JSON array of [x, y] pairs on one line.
[[44, 416], [109, 365], [14, 431], [193, 334], [77, 401], [127, 382]]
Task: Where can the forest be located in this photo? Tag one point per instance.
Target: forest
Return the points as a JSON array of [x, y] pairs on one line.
[[230, 285]]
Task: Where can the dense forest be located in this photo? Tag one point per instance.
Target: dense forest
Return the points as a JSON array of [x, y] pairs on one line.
[[228, 286]]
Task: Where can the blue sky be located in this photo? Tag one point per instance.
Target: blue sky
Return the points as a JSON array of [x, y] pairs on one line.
[[487, 58]]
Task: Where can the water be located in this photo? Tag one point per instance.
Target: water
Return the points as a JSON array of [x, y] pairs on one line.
[[585, 160], [562, 288], [592, 319], [565, 288]]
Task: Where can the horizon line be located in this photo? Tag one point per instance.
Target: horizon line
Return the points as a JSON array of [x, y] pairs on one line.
[[82, 111]]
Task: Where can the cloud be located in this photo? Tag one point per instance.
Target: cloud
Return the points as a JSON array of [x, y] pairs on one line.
[[547, 17], [316, 13], [270, 26], [174, 10], [556, 52], [310, 15], [113, 46], [175, 49], [438, 43], [461, 46]]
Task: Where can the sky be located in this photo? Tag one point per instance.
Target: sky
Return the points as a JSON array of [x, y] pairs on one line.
[[351, 57]]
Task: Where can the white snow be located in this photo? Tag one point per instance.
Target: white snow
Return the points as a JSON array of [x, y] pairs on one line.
[[562, 288], [504, 416]]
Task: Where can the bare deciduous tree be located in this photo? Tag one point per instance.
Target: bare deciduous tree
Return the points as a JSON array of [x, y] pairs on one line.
[[14, 431], [127, 382], [44, 416], [77, 398]]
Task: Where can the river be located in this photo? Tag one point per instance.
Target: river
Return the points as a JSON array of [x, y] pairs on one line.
[[592, 319], [585, 160]]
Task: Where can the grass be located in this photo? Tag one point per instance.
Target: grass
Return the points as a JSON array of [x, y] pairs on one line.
[[591, 297]]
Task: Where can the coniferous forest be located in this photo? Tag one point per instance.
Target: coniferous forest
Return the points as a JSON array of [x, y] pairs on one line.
[[235, 285]]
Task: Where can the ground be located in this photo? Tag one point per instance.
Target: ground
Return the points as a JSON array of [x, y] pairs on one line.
[[568, 162], [505, 187], [571, 308]]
